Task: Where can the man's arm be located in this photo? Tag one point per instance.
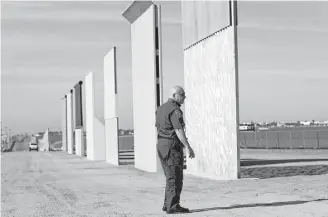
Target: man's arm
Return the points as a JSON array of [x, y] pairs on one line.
[[182, 137], [178, 125]]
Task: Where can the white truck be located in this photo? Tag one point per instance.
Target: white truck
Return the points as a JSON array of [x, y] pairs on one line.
[[33, 145]]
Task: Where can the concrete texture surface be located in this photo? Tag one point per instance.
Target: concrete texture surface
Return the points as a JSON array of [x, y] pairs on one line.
[[211, 85], [211, 106], [57, 184]]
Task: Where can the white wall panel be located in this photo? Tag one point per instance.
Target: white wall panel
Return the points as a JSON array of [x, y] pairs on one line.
[[64, 121], [144, 91], [110, 84], [89, 113], [111, 135], [70, 123], [111, 120], [95, 131], [211, 109]]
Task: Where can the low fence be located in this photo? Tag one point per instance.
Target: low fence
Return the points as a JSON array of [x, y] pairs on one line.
[[287, 139], [126, 142], [298, 139]]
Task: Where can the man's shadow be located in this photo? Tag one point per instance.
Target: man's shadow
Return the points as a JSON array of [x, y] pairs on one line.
[[286, 203]]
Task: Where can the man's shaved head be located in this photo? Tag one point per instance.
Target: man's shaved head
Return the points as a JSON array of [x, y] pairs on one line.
[[177, 93], [176, 90]]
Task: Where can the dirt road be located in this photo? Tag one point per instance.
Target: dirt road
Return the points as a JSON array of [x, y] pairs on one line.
[[55, 184]]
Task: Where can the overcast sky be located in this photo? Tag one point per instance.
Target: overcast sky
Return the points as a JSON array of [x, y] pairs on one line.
[[47, 47]]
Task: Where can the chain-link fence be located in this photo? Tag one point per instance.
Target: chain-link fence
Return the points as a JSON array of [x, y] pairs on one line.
[[126, 142], [298, 139]]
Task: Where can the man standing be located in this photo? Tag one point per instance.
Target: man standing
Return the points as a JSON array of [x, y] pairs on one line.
[[171, 140]]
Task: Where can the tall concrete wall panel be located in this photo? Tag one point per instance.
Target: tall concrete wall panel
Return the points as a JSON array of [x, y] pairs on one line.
[[111, 120], [64, 121], [211, 108], [110, 87], [70, 123], [78, 108], [144, 90], [95, 132], [78, 115], [201, 19]]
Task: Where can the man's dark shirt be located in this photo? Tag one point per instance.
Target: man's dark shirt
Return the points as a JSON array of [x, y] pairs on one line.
[[168, 118]]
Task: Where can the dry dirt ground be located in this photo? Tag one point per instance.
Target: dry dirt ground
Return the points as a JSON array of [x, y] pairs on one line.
[[56, 184]]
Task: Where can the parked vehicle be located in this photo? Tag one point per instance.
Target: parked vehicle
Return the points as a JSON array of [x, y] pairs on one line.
[[33, 144]]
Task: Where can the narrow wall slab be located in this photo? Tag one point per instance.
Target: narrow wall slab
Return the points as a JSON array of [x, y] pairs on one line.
[[95, 131], [110, 106], [146, 82], [78, 120], [70, 122], [64, 124]]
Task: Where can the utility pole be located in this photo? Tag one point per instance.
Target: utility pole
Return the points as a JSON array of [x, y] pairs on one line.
[[6, 132], [1, 135], [9, 135]]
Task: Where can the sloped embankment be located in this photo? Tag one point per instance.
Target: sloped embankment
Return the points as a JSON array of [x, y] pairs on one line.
[[19, 143]]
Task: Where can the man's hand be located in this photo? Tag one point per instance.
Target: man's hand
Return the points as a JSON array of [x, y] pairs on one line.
[[182, 137], [191, 152]]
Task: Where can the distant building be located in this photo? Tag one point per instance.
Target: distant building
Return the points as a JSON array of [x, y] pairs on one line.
[[305, 123], [323, 123], [247, 127], [279, 124]]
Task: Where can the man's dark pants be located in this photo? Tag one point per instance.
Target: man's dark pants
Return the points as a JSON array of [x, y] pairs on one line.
[[170, 153]]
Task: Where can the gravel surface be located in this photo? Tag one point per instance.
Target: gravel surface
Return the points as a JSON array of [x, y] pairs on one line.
[[56, 184]]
